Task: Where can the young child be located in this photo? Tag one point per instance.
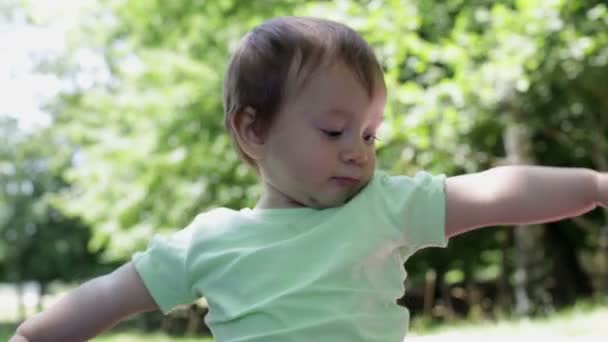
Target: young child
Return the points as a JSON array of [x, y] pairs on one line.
[[321, 255]]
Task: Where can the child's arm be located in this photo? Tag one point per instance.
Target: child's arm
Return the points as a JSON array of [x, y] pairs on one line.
[[521, 195], [91, 308]]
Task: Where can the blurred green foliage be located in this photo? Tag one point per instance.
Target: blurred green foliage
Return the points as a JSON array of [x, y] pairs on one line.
[[146, 150]]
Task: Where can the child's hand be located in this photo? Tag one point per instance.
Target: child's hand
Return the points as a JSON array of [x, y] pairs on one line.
[[513, 195], [18, 338], [91, 308], [602, 189]]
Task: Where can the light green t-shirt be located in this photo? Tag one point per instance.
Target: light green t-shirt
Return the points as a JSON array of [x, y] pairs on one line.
[[302, 274]]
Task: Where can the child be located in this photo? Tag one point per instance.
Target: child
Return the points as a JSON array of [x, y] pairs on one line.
[[320, 256]]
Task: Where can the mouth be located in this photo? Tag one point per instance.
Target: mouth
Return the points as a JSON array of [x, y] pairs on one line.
[[346, 181]]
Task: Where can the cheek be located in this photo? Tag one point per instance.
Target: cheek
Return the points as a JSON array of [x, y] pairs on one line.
[[304, 154], [372, 157], [312, 157], [323, 161], [372, 164]]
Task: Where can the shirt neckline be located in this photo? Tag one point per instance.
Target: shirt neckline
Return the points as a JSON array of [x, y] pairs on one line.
[[270, 213]]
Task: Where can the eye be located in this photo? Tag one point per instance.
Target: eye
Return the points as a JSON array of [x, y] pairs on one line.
[[370, 138], [332, 133]]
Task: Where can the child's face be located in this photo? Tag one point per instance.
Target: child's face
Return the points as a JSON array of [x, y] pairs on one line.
[[319, 152]]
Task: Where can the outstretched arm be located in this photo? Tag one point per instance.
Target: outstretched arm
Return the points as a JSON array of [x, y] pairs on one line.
[[90, 309], [521, 195]]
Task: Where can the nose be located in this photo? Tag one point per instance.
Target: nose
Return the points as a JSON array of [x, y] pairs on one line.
[[355, 152]]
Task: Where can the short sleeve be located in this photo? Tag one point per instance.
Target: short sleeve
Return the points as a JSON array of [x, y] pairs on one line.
[[162, 267], [416, 206]]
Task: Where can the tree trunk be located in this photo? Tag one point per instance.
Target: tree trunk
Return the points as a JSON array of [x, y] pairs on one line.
[[473, 295], [571, 281], [42, 287], [21, 302], [430, 278], [503, 296], [601, 258], [195, 320], [530, 293], [600, 150]]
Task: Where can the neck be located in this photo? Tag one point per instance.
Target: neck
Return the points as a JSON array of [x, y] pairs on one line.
[[273, 198]]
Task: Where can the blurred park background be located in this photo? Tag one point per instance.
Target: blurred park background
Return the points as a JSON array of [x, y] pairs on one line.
[[111, 131]]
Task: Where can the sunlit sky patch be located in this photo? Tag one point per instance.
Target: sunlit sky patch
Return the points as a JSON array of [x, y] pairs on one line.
[[23, 90]]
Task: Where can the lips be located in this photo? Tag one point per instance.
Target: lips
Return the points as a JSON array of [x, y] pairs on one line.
[[346, 181]]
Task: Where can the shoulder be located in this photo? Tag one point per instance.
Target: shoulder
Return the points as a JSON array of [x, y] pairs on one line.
[[215, 215], [216, 219], [384, 183], [216, 224]]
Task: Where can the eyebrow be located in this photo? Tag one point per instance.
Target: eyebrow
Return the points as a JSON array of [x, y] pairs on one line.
[[340, 112]]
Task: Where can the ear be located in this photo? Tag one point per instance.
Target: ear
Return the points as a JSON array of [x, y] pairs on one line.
[[246, 134]]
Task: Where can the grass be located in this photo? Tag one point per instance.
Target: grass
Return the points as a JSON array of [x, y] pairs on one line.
[[6, 330], [585, 319], [138, 337]]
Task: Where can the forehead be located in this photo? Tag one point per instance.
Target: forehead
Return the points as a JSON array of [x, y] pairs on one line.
[[337, 87]]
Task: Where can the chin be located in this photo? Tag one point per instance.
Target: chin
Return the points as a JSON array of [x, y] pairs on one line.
[[326, 203], [330, 199]]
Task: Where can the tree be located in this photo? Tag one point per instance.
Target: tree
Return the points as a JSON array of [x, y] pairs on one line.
[[39, 243], [472, 84]]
